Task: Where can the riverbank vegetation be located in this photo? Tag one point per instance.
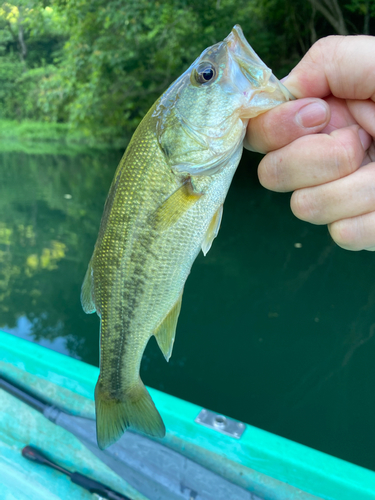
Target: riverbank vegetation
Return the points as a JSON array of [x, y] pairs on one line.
[[96, 66]]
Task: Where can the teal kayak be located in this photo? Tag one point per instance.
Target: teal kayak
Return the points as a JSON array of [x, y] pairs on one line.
[[203, 456]]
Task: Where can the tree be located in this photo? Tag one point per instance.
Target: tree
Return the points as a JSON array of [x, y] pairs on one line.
[[332, 11], [30, 35], [100, 64], [13, 16], [122, 55]]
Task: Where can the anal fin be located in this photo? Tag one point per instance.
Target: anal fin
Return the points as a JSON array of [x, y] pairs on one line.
[[86, 292], [174, 207], [212, 230], [166, 331]]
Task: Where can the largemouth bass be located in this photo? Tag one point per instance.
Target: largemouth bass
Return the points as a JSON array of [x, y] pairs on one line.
[[165, 205]]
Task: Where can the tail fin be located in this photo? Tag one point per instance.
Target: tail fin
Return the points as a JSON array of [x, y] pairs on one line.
[[136, 410]]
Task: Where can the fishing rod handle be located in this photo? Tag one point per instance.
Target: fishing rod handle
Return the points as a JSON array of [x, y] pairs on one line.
[[89, 484], [96, 487], [37, 456]]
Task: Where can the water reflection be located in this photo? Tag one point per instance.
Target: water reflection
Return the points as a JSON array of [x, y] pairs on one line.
[[50, 209], [25, 330], [277, 323]]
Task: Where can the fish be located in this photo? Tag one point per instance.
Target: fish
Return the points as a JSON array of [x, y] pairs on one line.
[[164, 206]]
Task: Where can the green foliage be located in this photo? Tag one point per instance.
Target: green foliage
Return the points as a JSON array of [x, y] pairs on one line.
[[30, 35], [122, 55], [37, 137], [31, 30], [100, 64], [20, 89], [362, 7]]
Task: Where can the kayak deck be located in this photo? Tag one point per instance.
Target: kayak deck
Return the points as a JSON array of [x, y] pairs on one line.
[[260, 464]]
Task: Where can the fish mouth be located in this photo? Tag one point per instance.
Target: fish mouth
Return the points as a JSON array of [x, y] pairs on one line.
[[253, 78], [250, 63]]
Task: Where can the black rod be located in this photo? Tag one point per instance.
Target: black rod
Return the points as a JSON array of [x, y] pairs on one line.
[[41, 405], [19, 392]]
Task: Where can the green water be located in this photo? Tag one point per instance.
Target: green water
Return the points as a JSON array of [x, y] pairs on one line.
[[277, 323]]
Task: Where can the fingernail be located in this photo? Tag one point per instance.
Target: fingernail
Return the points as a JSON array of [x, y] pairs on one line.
[[365, 138], [312, 115]]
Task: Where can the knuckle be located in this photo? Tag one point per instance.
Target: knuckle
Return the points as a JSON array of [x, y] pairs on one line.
[[324, 45], [318, 48], [303, 206], [345, 234], [270, 172], [260, 133], [265, 127], [347, 152]]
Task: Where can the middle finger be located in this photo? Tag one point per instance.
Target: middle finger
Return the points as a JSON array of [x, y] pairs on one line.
[[314, 159], [344, 198]]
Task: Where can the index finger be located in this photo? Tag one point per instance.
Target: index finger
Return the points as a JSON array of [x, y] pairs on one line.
[[340, 65], [286, 123]]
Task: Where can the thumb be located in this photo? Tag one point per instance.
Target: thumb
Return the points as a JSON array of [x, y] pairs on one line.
[[340, 65], [286, 123]]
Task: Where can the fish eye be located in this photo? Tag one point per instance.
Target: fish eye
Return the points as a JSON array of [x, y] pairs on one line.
[[205, 73]]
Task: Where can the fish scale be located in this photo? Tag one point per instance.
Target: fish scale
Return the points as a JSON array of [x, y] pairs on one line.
[[164, 206]]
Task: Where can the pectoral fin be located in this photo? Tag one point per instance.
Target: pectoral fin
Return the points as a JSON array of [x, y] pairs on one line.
[[212, 230], [86, 292], [174, 207], [165, 333]]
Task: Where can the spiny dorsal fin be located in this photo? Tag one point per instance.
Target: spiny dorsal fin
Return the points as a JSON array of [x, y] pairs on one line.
[[174, 207], [165, 333], [212, 230], [86, 292]]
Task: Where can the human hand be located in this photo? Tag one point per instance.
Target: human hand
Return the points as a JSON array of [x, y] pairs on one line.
[[332, 173]]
